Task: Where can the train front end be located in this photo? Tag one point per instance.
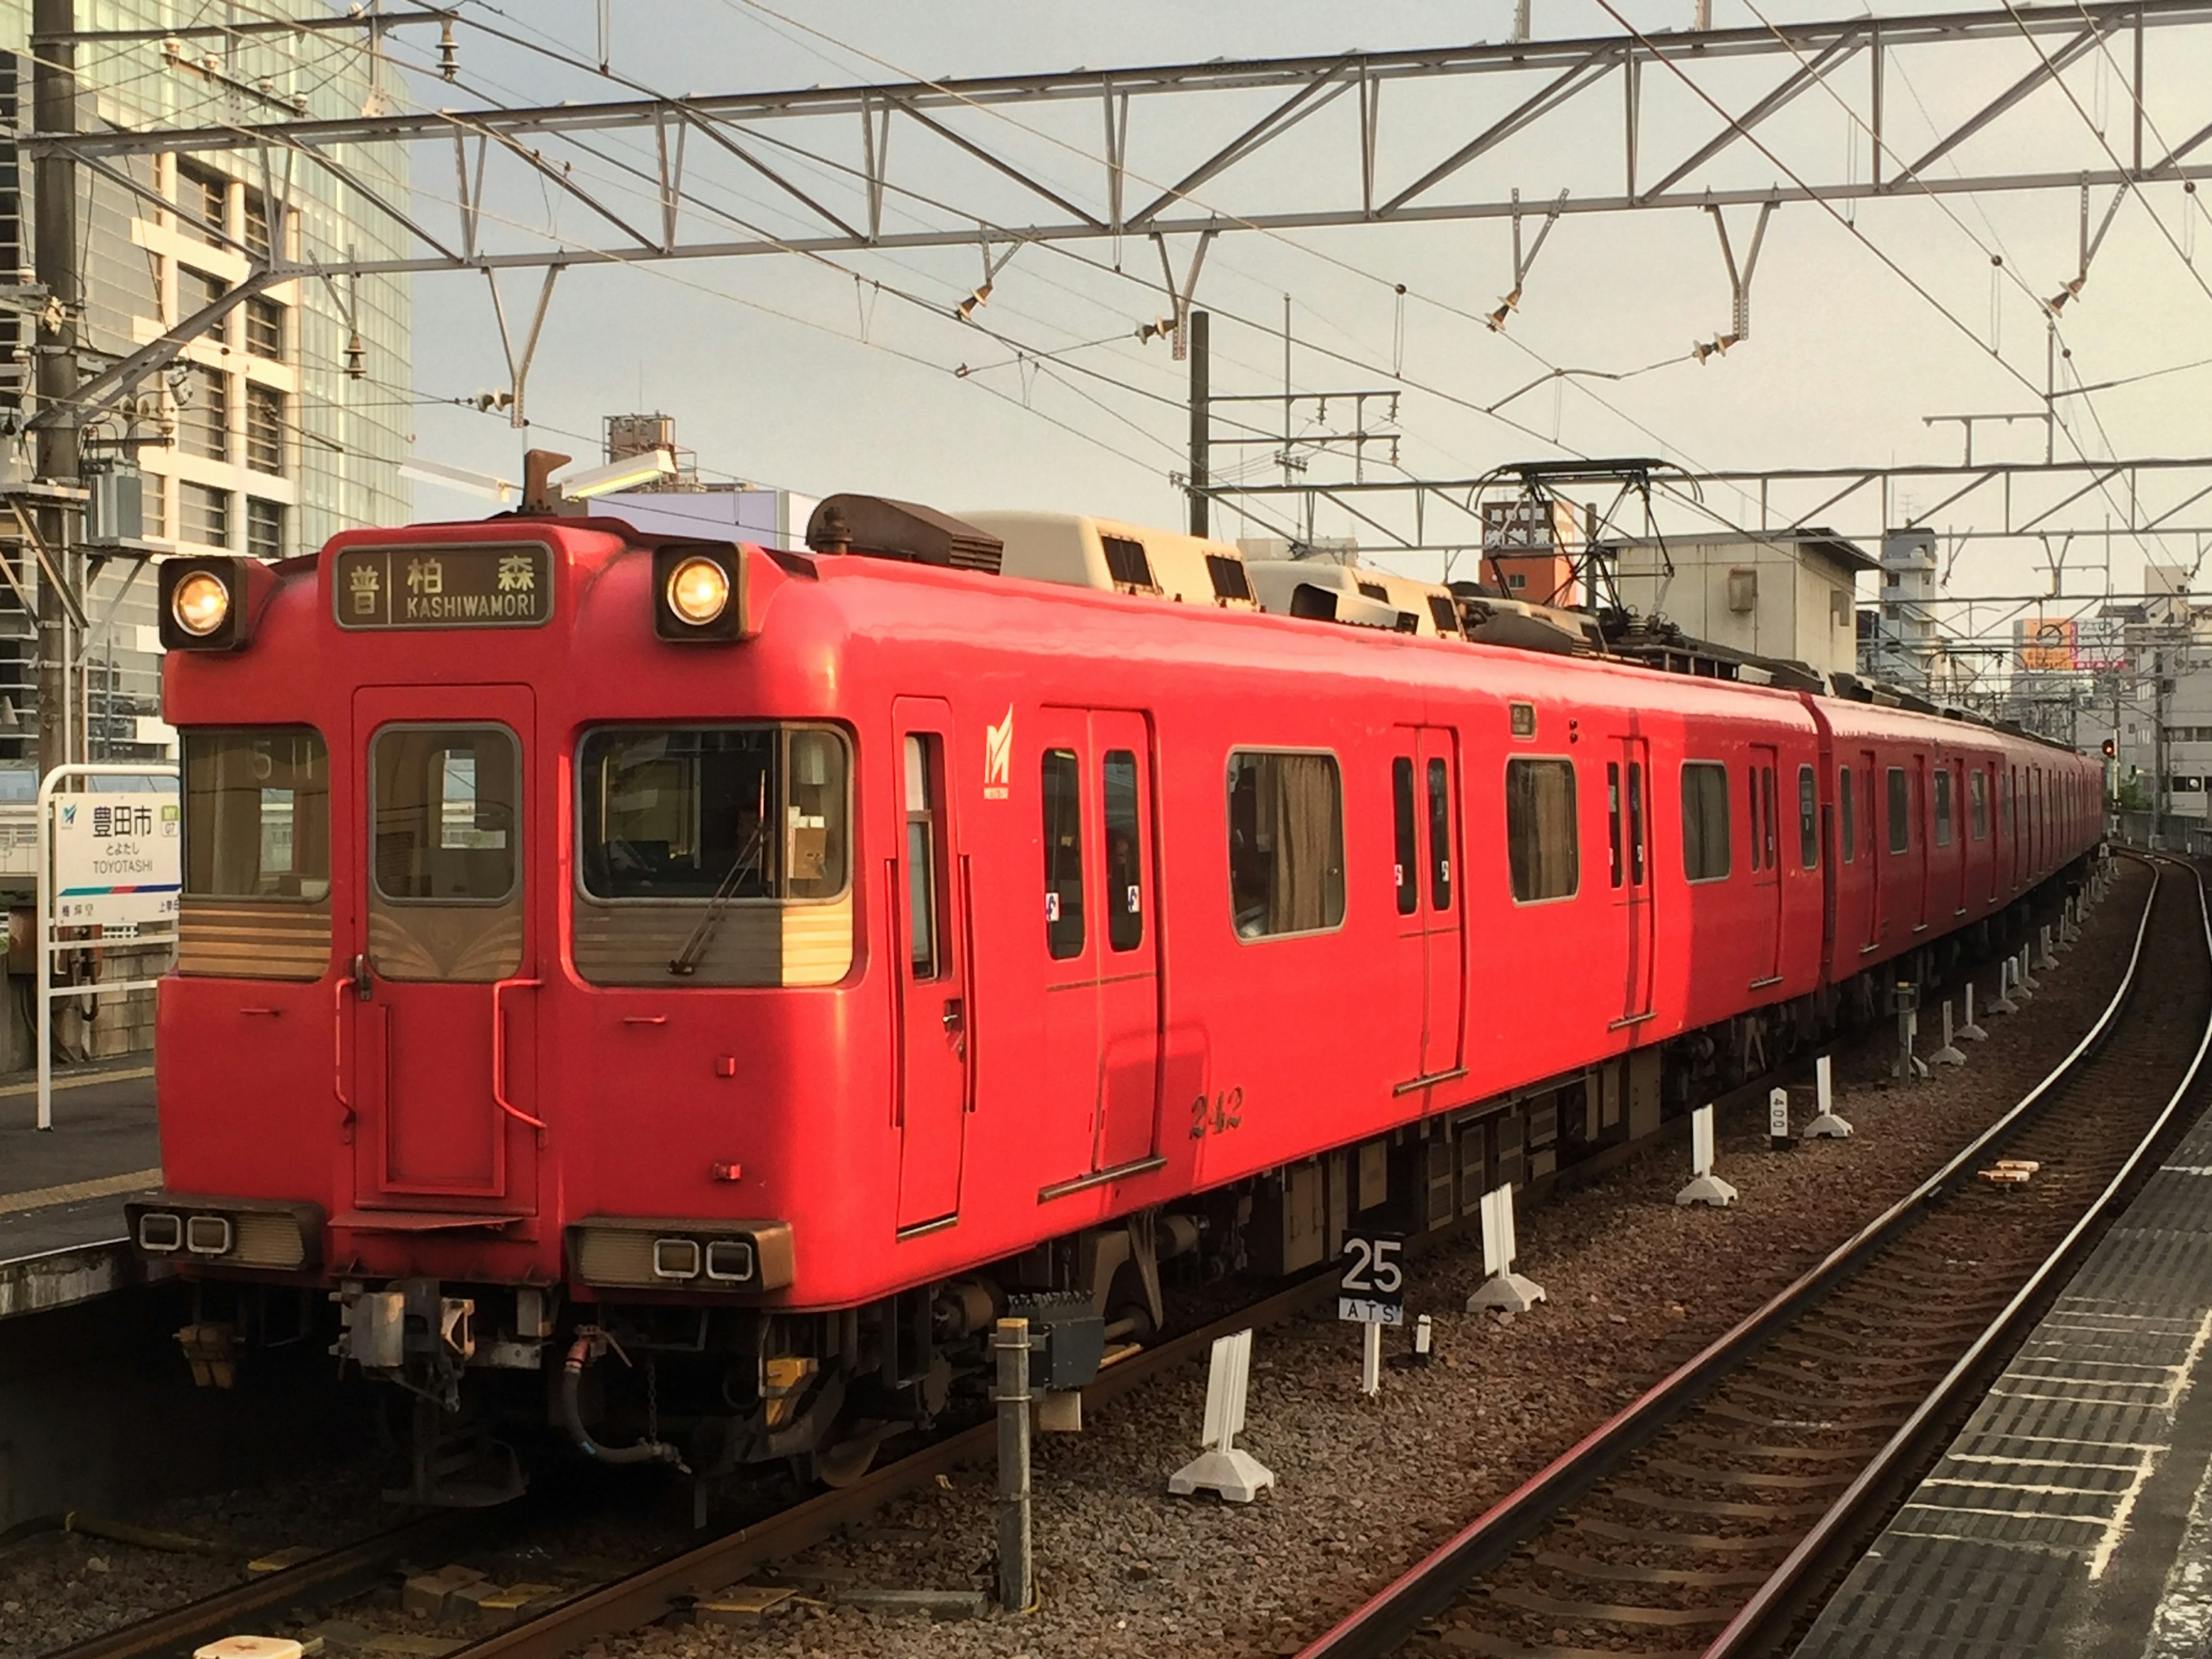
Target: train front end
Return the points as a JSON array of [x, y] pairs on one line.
[[518, 905]]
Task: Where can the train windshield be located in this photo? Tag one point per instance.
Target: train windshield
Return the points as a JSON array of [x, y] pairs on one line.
[[258, 814], [714, 813]]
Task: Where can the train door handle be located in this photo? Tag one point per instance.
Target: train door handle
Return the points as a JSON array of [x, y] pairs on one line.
[[499, 1054], [363, 986], [955, 1014]]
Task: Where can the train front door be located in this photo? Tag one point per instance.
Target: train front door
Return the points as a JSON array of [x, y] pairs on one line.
[[928, 913], [1627, 791], [438, 1029], [1102, 1008], [1431, 977], [1766, 863]]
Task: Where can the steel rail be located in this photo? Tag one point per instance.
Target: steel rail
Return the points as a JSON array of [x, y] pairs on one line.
[[1394, 1613]]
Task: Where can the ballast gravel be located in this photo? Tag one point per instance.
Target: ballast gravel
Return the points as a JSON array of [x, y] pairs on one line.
[[1365, 1488]]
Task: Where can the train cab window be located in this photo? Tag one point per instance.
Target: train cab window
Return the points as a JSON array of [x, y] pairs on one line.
[[1286, 843], [1704, 821], [257, 811], [443, 810], [1541, 834], [713, 814], [1406, 848], [1613, 805], [1063, 853], [922, 788], [1808, 820], [1977, 805], [1847, 818], [1125, 855], [1439, 836], [1900, 811], [1636, 843], [1942, 806]]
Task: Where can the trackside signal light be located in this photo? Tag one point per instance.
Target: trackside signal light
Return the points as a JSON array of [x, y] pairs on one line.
[[200, 603], [698, 590], [2111, 748]]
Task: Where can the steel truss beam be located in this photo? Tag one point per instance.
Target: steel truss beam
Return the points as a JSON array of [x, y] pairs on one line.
[[965, 172], [2007, 500]]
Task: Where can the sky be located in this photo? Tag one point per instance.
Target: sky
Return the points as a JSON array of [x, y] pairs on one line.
[[805, 374]]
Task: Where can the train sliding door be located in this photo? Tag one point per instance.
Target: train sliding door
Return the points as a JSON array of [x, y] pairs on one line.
[[1872, 838], [928, 880], [1627, 783], [1103, 1009], [443, 1012], [1765, 867], [1432, 950]]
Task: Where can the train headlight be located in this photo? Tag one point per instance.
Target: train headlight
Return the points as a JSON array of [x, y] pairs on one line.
[[210, 604], [698, 591], [201, 603]]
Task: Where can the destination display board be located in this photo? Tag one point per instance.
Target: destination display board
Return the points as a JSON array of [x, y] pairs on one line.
[[483, 584]]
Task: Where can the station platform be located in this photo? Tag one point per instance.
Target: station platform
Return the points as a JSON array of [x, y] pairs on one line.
[[2073, 1514], [61, 1233]]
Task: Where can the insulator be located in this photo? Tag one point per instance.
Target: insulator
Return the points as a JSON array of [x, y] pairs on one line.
[[357, 358], [448, 63]]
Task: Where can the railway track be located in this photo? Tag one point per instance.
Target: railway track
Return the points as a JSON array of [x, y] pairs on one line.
[[1709, 1516]]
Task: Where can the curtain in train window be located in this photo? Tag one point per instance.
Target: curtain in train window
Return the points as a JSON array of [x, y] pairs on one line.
[[1063, 853], [1540, 831], [1849, 819], [1977, 805], [1286, 843], [1704, 821], [1900, 811]]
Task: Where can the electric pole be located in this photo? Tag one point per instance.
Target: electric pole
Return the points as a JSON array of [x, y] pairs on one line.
[[54, 252], [1202, 419]]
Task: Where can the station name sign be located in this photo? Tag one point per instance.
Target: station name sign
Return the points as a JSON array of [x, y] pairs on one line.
[[481, 584]]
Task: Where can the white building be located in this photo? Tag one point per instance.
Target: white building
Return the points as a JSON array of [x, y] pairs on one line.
[[1789, 595]]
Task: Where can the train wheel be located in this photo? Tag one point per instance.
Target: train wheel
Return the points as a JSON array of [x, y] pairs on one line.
[[844, 1462]]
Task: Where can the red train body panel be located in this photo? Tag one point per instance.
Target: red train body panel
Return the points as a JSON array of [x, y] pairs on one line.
[[1013, 1056]]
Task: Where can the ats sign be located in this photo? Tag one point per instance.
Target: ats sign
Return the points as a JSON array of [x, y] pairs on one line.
[[118, 859]]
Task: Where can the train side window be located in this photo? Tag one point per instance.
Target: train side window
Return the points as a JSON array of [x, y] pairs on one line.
[[1751, 784], [1612, 817], [921, 856], [1900, 811], [1942, 806], [1405, 849], [1977, 805], [1439, 836], [1848, 819], [1124, 853], [1636, 824], [1286, 843], [1704, 821], [1808, 819], [1541, 842], [1063, 854], [1770, 851]]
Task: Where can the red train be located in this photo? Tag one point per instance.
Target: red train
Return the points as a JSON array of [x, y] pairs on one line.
[[766, 963]]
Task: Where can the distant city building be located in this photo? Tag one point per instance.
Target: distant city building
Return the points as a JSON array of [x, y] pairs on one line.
[[275, 429], [682, 506], [1529, 547], [1901, 643]]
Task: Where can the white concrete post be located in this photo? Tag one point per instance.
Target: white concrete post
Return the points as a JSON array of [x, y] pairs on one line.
[[1502, 1289], [1948, 1055], [1970, 1032], [1236, 1475], [1825, 1125], [1705, 1187]]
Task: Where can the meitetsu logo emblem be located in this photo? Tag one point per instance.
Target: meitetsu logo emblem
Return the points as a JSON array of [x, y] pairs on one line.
[[997, 755]]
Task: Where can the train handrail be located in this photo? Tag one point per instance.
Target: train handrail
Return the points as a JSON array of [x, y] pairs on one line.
[[337, 1045], [499, 1051]]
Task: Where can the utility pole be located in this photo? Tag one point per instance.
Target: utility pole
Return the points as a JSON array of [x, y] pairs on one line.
[[54, 252], [1201, 418]]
